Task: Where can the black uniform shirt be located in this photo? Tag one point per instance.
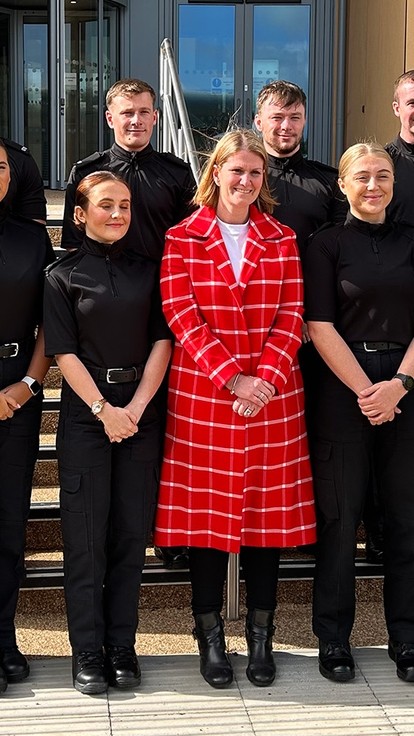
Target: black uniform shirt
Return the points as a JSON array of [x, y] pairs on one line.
[[401, 208], [307, 193], [25, 195], [104, 306], [360, 277], [25, 251], [162, 186]]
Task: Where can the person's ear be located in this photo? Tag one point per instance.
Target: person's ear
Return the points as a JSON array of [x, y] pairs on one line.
[[342, 185], [79, 215], [108, 116], [216, 177], [396, 108]]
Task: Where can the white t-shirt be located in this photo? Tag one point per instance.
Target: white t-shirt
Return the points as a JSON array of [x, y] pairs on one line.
[[234, 237]]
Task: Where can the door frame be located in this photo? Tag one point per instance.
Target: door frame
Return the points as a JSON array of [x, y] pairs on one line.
[[326, 52]]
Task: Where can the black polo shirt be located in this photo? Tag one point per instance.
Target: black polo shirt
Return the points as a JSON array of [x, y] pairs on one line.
[[25, 251], [307, 193], [401, 208], [25, 195], [162, 187], [360, 277], [103, 305]]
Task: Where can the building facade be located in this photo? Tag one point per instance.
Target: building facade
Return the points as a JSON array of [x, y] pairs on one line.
[[58, 58]]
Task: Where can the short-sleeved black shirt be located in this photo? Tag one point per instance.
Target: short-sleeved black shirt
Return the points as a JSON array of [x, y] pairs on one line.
[[25, 251], [401, 208], [162, 187], [25, 195], [307, 193], [104, 306], [360, 277]]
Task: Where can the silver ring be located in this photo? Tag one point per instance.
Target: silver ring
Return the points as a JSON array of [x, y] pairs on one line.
[[248, 410], [262, 396]]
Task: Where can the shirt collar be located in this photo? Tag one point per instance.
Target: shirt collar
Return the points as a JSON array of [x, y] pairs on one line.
[[131, 156], [287, 162]]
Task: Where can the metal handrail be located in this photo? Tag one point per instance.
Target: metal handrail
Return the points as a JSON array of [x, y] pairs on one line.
[[177, 136]]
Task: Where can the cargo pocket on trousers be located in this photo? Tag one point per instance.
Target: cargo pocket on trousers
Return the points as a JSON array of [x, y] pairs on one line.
[[325, 488], [72, 511]]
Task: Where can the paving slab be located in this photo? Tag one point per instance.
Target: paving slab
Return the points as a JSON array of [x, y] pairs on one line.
[[174, 700]]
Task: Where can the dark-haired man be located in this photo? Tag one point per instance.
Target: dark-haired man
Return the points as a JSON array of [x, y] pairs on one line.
[[306, 191]]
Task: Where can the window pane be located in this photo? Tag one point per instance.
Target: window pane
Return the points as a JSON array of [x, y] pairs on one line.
[[206, 67]]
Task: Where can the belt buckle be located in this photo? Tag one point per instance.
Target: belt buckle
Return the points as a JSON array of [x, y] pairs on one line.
[[14, 345], [109, 372], [369, 350]]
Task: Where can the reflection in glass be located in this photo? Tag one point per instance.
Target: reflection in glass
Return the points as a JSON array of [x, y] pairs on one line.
[[206, 68], [110, 50], [4, 76], [81, 83], [36, 92], [281, 46]]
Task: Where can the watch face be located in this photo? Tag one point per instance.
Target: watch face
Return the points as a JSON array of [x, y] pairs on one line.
[[408, 383], [97, 406]]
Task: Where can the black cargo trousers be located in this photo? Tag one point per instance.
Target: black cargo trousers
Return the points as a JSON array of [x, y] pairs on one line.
[[107, 494], [345, 450]]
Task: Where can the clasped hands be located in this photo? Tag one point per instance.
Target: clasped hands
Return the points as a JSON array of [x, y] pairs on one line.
[[119, 422], [379, 402], [252, 395]]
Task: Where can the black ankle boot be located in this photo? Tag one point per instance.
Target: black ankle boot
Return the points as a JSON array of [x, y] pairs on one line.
[[214, 663], [261, 669]]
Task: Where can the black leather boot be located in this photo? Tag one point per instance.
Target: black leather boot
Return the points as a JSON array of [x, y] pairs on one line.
[[214, 663], [261, 669], [88, 670], [14, 664]]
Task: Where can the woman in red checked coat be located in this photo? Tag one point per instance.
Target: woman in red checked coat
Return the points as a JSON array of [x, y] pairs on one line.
[[236, 475]]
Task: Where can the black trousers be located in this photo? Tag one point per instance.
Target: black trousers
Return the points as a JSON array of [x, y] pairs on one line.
[[208, 569], [19, 444], [108, 496], [346, 450]]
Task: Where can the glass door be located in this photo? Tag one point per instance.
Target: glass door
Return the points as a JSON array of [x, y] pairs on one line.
[[227, 51], [36, 90]]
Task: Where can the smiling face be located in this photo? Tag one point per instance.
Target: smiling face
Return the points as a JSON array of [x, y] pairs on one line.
[[4, 173], [281, 127], [239, 179], [108, 213], [403, 107], [132, 119], [368, 186]]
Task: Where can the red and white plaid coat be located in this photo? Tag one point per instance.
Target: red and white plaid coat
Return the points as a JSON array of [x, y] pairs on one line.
[[228, 480]]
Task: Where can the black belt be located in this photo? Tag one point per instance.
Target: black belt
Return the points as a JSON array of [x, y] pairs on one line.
[[11, 349], [377, 347], [117, 375]]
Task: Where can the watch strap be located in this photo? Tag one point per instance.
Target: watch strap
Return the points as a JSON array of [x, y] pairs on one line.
[[33, 385]]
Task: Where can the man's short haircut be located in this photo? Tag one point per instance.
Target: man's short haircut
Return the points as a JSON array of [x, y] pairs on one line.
[[285, 93], [406, 77], [127, 88]]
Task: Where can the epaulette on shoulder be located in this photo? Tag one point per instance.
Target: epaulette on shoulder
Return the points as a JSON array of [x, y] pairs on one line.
[[323, 167], [62, 259], [94, 158], [326, 226], [176, 160], [16, 146]]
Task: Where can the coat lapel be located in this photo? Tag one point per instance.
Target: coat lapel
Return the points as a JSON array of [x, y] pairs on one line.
[[203, 224], [263, 230]]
